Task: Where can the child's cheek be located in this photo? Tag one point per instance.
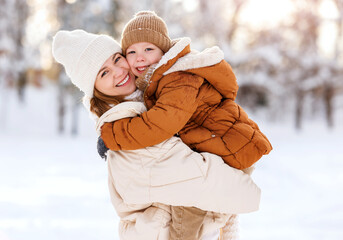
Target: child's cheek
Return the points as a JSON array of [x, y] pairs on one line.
[[133, 70]]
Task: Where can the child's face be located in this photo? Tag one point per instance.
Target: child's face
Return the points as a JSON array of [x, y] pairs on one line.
[[115, 77], [141, 55]]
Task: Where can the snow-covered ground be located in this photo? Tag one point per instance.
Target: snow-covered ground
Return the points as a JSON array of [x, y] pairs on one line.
[[55, 186]]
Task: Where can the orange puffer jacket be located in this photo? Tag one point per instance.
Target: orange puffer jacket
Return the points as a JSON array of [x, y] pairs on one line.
[[192, 94]]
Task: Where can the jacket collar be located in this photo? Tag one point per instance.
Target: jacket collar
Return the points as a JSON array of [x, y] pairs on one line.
[[186, 60], [195, 59], [178, 46]]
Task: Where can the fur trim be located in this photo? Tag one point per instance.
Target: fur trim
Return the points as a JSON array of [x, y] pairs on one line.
[[122, 110], [136, 96], [144, 80], [179, 45], [195, 59]]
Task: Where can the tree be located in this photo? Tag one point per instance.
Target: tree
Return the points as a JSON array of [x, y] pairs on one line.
[[13, 16]]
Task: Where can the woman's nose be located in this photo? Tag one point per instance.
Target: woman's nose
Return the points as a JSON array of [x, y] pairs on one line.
[[117, 71]]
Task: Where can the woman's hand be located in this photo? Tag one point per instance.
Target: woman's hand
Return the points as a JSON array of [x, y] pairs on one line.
[[102, 149]]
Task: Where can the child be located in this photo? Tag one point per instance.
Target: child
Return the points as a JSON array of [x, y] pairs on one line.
[[185, 94], [144, 182]]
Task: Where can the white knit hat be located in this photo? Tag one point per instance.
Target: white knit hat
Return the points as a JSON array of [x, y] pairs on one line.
[[82, 54]]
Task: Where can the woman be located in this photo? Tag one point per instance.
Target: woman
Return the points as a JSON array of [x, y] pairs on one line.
[[144, 183]]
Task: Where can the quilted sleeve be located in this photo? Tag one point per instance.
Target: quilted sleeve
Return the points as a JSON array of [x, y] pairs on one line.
[[245, 141]]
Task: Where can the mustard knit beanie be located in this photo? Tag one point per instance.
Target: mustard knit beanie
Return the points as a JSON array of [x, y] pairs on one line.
[[82, 54], [146, 26]]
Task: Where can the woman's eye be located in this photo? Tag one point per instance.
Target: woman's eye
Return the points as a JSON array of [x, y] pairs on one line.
[[104, 73], [117, 59]]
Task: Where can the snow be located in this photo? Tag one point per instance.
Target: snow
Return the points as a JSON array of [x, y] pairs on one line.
[[301, 182], [55, 186]]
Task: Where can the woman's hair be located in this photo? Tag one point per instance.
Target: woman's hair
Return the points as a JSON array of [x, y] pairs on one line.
[[100, 103]]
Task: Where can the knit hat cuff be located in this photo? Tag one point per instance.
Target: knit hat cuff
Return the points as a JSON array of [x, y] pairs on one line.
[[146, 35]]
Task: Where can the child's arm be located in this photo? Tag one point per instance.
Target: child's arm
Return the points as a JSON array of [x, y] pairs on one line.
[[176, 103]]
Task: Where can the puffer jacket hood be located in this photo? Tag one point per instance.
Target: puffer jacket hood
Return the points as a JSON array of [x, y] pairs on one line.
[[181, 58], [194, 62]]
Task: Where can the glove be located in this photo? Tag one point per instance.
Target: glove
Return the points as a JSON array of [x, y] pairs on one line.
[[102, 149]]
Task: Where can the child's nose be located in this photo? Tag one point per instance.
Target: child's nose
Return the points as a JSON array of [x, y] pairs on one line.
[[140, 58]]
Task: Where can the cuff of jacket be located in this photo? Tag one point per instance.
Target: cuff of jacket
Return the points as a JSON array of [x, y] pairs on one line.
[[107, 136]]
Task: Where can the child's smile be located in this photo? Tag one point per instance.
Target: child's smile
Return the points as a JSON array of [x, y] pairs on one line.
[[141, 69], [142, 55]]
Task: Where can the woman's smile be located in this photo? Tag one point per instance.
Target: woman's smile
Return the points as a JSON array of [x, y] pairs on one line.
[[124, 81], [115, 77]]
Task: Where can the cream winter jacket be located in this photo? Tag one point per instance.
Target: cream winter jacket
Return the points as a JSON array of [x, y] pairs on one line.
[[170, 173]]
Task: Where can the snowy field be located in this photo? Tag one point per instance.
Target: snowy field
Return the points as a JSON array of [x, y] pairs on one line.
[[55, 186]]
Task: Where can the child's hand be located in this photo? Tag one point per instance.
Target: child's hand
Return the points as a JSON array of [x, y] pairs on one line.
[[102, 149]]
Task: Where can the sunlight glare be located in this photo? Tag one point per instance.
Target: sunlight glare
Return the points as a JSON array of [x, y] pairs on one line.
[[261, 13], [328, 30], [327, 38], [188, 5], [328, 10], [38, 27], [71, 1]]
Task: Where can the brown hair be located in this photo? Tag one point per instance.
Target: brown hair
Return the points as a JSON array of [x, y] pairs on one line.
[[100, 103]]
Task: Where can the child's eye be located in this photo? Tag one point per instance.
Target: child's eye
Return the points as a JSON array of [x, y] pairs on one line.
[[149, 49], [130, 52]]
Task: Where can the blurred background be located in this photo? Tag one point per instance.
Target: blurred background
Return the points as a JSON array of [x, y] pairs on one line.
[[288, 59]]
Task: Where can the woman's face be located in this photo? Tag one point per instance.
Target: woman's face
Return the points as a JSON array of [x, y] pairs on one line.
[[115, 77]]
